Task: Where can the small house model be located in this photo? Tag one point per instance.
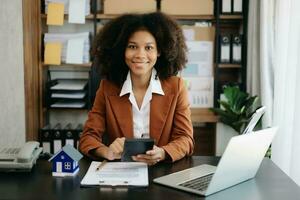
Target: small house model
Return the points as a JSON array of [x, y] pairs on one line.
[[65, 161]]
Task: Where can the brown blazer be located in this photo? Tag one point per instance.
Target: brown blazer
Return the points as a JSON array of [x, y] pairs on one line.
[[170, 119]]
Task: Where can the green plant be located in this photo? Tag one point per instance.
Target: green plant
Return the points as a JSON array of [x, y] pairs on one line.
[[237, 108]]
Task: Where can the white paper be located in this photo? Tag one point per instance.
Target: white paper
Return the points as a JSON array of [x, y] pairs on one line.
[[189, 34], [75, 95], [117, 173], [200, 59], [63, 104], [226, 6], [237, 5], [63, 38], [75, 51], [69, 85], [200, 91], [66, 3], [77, 11]]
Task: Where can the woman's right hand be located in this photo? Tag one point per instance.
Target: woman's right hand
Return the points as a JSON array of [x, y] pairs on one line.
[[114, 151], [117, 147]]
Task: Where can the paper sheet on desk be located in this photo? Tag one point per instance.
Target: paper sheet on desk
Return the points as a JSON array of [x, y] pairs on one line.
[[117, 174]]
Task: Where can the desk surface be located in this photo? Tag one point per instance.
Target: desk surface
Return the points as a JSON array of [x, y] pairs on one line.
[[269, 183]]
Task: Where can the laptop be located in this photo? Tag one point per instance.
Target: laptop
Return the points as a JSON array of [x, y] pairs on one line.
[[240, 162], [254, 119]]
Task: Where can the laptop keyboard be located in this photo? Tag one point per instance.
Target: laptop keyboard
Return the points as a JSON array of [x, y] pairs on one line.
[[200, 183]]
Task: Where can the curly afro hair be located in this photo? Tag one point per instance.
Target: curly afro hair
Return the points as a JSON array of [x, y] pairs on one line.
[[111, 41]]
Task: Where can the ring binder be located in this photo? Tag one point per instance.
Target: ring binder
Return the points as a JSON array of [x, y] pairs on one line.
[[224, 48], [69, 137], [237, 49], [46, 140], [57, 138]]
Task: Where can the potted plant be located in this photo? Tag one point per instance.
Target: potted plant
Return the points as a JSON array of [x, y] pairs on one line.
[[236, 109]]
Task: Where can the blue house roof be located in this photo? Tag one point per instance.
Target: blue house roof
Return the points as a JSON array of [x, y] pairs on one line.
[[70, 151]]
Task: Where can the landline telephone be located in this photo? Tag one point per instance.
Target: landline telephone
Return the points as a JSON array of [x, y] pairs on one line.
[[20, 159]]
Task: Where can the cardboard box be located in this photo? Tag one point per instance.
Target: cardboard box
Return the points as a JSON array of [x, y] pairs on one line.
[[200, 33], [188, 7], [129, 6]]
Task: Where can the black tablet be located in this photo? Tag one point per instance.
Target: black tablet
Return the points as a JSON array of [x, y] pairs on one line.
[[133, 147]]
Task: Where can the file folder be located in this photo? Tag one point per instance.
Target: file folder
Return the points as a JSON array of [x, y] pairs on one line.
[[224, 49], [46, 140], [77, 132], [226, 7], [237, 49], [69, 135], [237, 6], [57, 138]]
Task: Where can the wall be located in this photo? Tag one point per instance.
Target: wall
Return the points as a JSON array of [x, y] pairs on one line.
[[12, 106]]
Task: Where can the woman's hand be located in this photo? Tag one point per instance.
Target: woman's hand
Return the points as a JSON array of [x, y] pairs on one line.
[[114, 151], [151, 157], [117, 147]]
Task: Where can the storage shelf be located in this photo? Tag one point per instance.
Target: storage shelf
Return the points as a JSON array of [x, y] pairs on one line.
[[69, 64], [203, 115]]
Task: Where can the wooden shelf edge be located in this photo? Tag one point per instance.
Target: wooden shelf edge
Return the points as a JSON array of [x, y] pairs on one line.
[[231, 16], [194, 17], [203, 115], [190, 17], [89, 17], [229, 65], [69, 64]]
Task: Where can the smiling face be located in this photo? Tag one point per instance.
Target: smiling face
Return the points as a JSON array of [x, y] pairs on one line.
[[141, 54]]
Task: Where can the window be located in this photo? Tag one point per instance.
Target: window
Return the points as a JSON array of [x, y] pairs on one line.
[[67, 165]]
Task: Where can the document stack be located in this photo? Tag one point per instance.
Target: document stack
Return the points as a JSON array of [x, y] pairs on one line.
[[67, 93], [74, 47], [66, 5], [198, 74]]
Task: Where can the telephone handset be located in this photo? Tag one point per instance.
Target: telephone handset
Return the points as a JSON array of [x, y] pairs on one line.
[[20, 159]]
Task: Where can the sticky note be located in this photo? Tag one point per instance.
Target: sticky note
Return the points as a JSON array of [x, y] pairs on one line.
[[55, 14], [53, 53]]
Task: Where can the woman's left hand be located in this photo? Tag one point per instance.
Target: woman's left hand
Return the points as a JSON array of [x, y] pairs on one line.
[[151, 157]]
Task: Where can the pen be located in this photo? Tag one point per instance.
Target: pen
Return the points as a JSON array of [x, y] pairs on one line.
[[101, 165]]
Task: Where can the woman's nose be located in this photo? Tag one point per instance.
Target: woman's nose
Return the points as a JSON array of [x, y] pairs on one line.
[[140, 52]]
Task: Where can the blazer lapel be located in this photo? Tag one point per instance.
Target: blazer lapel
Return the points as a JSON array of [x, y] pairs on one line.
[[159, 109], [123, 113]]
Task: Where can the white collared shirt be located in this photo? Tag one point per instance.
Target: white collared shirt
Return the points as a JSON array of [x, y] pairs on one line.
[[141, 117]]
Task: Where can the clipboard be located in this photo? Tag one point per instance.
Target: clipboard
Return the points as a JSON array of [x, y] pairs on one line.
[[116, 174]]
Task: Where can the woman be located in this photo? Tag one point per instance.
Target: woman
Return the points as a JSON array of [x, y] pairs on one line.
[[140, 97]]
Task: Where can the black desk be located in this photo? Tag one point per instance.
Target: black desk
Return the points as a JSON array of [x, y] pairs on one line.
[[270, 183]]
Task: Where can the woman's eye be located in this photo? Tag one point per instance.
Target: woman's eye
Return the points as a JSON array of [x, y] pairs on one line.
[[149, 47], [131, 46]]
